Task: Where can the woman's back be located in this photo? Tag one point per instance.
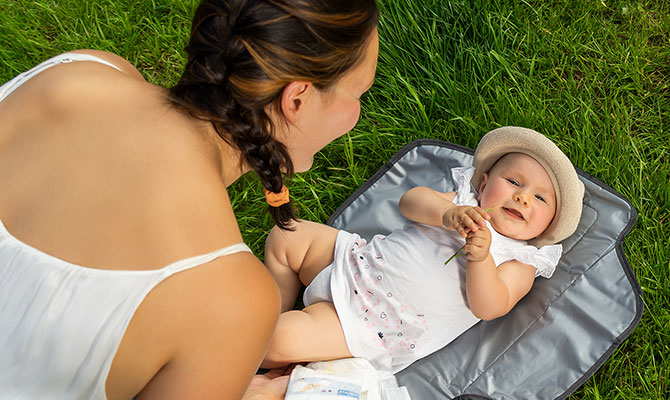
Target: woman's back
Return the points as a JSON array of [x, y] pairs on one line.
[[100, 171], [100, 161]]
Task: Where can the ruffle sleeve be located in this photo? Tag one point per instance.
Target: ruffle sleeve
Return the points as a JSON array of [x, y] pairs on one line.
[[464, 193], [545, 259]]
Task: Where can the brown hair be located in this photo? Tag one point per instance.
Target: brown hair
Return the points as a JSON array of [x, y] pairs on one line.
[[241, 55]]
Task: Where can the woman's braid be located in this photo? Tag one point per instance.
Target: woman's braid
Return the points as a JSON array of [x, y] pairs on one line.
[[242, 53]]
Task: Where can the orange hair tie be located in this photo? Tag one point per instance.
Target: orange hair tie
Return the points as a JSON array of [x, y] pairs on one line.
[[277, 199]]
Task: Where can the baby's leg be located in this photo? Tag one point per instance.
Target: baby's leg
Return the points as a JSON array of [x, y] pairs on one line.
[[313, 334], [296, 257]]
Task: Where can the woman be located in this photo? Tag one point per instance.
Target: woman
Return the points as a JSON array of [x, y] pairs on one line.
[[122, 268]]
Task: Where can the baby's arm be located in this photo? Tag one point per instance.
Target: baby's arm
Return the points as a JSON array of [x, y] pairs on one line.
[[430, 207], [492, 292]]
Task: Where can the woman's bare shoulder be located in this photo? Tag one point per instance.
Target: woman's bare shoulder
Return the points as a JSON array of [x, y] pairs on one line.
[[77, 87], [124, 65], [69, 76]]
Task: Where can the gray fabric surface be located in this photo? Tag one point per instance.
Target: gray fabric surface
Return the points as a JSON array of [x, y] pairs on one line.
[[559, 334]]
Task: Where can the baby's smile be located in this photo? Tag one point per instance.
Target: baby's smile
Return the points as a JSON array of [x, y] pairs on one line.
[[514, 213], [522, 194]]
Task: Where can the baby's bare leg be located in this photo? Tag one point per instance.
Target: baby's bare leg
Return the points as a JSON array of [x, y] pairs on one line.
[[296, 257], [313, 334]]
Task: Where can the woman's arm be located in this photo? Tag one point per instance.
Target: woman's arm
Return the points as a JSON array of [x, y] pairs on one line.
[[222, 324]]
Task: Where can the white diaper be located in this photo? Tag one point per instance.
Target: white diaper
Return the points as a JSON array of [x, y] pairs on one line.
[[319, 289], [345, 379]]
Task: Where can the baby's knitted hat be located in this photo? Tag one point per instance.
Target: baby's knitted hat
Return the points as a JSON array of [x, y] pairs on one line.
[[569, 189]]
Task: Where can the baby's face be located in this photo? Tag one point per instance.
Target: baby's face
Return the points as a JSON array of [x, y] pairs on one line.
[[523, 196]]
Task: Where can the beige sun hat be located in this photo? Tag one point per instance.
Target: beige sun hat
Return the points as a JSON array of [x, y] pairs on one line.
[[569, 189]]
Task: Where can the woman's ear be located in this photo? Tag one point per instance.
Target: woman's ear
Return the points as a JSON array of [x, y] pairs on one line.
[[293, 98]]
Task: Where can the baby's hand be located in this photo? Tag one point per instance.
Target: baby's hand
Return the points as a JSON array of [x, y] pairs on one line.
[[465, 219], [477, 245]]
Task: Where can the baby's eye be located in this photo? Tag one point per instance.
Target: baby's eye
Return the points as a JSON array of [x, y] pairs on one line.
[[539, 197], [513, 182]]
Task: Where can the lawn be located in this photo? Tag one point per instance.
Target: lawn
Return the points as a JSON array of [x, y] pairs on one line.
[[593, 75]]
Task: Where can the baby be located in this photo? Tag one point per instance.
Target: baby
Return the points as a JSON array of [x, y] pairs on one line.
[[397, 299]]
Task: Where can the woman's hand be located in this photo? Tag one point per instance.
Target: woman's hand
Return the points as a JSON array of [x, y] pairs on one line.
[[269, 386], [477, 244], [465, 220]]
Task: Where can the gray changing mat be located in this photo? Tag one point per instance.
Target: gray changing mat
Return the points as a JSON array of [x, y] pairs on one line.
[[559, 334]]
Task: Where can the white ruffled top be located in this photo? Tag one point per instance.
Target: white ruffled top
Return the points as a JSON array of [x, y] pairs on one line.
[[396, 299]]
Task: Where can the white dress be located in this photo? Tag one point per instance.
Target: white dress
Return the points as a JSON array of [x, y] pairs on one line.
[[396, 300]]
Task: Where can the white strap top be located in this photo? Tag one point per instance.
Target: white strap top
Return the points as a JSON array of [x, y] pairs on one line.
[[64, 58], [61, 323]]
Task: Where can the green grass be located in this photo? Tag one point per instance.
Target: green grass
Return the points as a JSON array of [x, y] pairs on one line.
[[592, 75]]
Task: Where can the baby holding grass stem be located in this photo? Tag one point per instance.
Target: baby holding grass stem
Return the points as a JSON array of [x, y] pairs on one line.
[[394, 300]]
